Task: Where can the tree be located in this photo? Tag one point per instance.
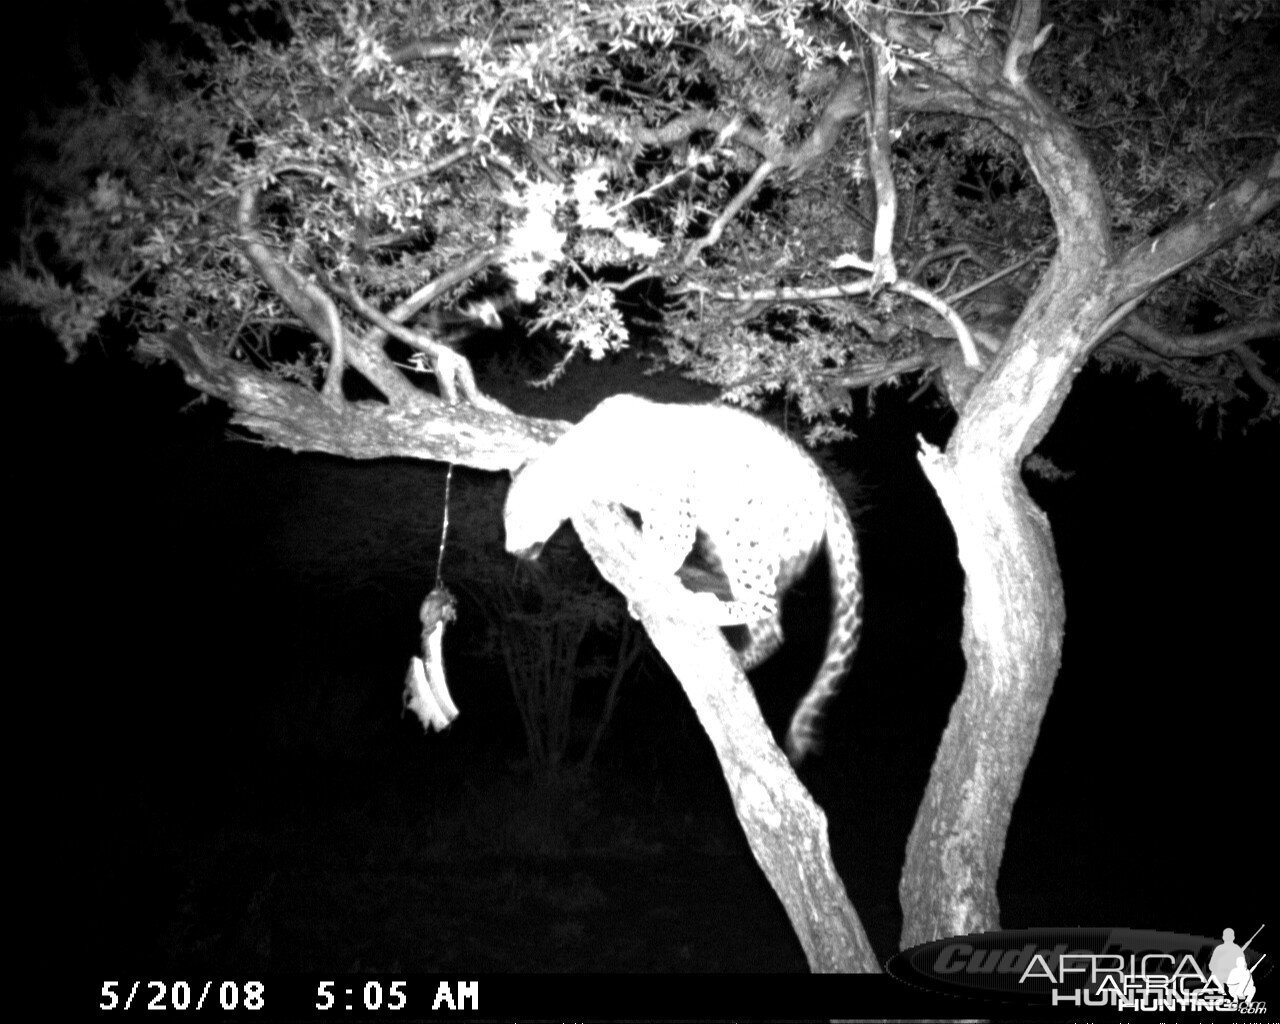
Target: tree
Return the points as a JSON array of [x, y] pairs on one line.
[[807, 199]]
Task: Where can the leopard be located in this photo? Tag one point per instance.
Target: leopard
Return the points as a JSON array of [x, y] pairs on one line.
[[726, 502]]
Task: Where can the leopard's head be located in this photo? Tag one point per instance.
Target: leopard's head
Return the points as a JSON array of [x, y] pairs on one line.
[[534, 510]]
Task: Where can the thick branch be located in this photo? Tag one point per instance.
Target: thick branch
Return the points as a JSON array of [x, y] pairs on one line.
[[317, 311], [1190, 346], [452, 369], [432, 290], [1242, 205], [785, 828], [944, 310], [863, 287], [305, 298], [847, 101], [1025, 38], [878, 156], [1253, 367], [367, 351], [298, 418]]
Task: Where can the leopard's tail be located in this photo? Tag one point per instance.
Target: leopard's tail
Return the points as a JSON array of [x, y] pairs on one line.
[[805, 733]]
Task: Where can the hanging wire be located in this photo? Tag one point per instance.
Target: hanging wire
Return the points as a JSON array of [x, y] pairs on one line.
[[426, 690], [444, 527]]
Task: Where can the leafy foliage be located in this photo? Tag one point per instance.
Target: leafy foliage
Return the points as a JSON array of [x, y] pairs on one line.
[[1169, 132], [594, 149]]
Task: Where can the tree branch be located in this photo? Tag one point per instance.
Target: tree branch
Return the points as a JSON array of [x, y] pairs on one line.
[[731, 210], [1024, 40], [305, 298], [1242, 205], [683, 126], [847, 101], [785, 828], [863, 287], [1181, 371], [452, 369], [884, 270], [1253, 367], [299, 419], [1190, 346], [432, 290]]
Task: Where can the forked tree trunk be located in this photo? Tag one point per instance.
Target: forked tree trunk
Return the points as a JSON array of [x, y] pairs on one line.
[[1014, 607]]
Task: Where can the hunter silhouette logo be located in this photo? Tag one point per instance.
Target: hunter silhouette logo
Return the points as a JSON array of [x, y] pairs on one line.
[[1230, 969]]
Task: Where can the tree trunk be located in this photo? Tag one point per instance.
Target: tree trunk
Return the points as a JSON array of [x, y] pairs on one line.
[[1014, 609], [1014, 618]]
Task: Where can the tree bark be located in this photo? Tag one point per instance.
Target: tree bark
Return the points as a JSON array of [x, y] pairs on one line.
[[1014, 608], [417, 425], [785, 828]]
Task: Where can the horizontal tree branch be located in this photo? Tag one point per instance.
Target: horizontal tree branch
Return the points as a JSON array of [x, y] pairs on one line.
[[298, 418], [1188, 346]]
